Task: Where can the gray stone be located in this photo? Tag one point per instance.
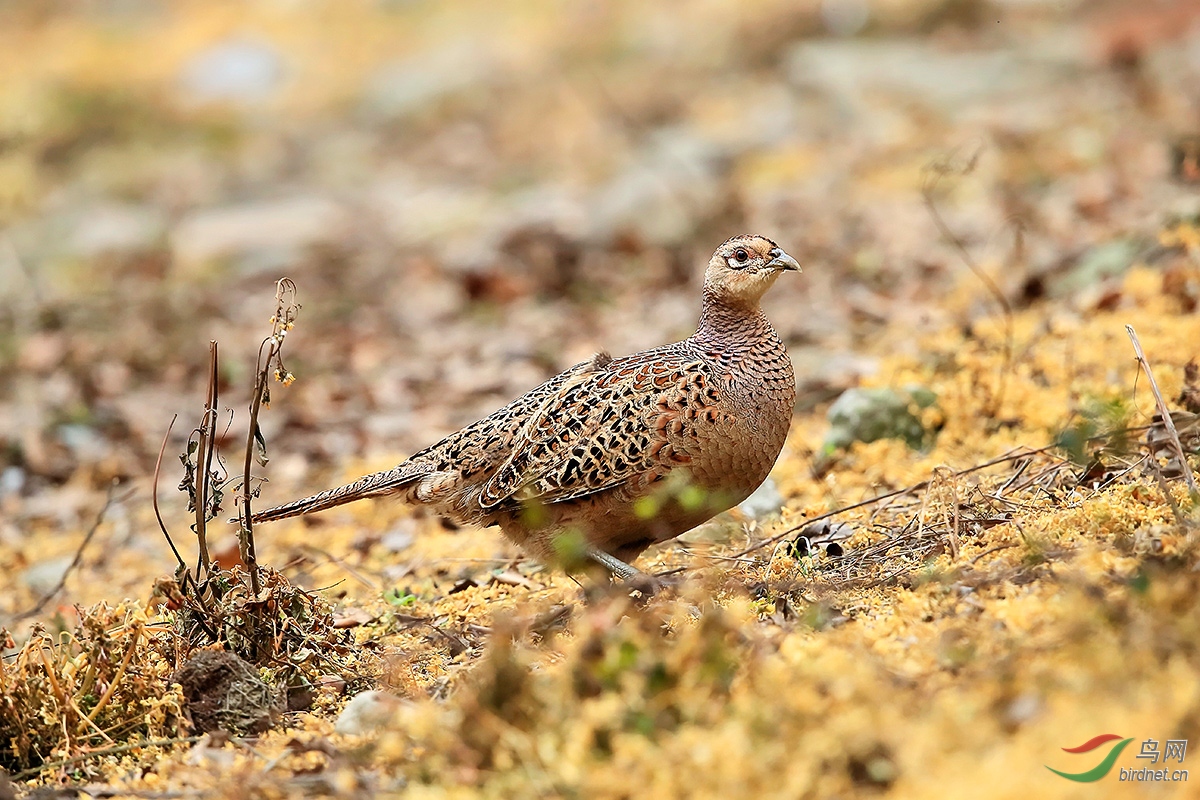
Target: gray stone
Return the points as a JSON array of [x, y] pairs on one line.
[[117, 228], [867, 415], [446, 217], [766, 501], [242, 70], [403, 87], [399, 537], [368, 712], [12, 480], [85, 442], [855, 72], [1102, 261], [670, 186], [257, 229], [42, 577]]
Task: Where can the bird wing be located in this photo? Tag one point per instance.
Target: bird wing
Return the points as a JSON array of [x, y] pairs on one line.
[[605, 424]]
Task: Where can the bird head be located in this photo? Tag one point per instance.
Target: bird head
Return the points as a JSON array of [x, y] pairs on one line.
[[742, 269]]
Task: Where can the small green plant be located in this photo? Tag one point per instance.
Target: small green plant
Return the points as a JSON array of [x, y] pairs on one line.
[[1100, 428], [398, 598]]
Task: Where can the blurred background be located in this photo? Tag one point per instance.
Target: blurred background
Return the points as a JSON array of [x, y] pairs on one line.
[[472, 196]]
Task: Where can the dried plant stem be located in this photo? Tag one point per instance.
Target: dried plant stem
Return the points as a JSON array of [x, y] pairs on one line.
[[204, 456], [943, 477], [96, 729], [916, 487], [1163, 411], [52, 677], [246, 534], [1165, 488], [185, 575], [1014, 455], [154, 497], [957, 523], [116, 681], [990, 550], [57, 689], [107, 751], [268, 354]]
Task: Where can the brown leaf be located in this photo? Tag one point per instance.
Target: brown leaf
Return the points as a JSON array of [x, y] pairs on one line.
[[352, 617]]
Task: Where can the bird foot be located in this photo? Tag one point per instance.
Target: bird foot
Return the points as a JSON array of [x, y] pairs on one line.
[[648, 585]]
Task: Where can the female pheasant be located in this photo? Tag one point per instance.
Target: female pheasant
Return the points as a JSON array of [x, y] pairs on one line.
[[617, 454]]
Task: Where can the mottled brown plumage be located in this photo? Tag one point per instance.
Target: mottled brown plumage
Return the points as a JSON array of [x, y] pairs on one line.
[[623, 452]]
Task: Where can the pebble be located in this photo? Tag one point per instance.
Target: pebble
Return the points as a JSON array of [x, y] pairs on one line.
[[237, 69], [368, 712], [764, 502]]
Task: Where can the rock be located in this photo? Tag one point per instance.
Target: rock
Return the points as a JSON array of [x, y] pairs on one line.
[[399, 538], [117, 229], [240, 70], [826, 531], [83, 441], [766, 501], [212, 752], [845, 17], [1100, 262], [332, 683], [403, 87], [352, 618], [855, 72], [41, 353], [821, 536], [867, 415], [824, 373], [671, 185], [223, 692], [12, 481], [42, 577], [445, 217], [1023, 708], [277, 226], [368, 712]]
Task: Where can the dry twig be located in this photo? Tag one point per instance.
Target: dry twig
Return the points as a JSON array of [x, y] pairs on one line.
[[154, 497], [204, 456], [62, 581], [1163, 411], [285, 315], [916, 487], [106, 751]]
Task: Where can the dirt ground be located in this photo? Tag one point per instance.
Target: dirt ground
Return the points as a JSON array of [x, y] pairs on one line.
[[999, 555]]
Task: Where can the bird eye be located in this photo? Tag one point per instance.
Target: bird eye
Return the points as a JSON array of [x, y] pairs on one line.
[[741, 255]]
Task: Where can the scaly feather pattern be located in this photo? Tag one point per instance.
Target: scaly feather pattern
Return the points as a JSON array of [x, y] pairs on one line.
[[584, 446]]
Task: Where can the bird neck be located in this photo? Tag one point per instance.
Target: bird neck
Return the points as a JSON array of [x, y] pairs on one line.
[[728, 320]]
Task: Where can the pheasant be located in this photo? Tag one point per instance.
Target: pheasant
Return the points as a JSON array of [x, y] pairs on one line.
[[617, 454]]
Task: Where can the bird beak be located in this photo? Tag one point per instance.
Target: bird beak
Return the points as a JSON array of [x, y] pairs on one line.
[[782, 261]]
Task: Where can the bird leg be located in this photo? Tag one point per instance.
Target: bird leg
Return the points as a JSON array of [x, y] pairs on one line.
[[646, 584], [616, 566]]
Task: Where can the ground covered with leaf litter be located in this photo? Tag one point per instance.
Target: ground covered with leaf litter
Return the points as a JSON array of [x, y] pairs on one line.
[[978, 547]]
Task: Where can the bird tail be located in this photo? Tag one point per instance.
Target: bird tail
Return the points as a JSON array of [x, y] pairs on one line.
[[377, 484]]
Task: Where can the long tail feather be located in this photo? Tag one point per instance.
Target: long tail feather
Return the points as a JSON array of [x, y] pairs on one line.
[[375, 485]]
